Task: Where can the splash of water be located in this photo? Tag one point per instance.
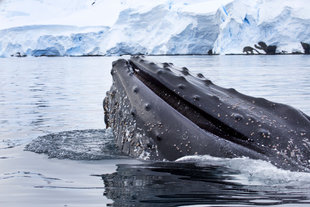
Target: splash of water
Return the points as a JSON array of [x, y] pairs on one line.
[[90, 144]]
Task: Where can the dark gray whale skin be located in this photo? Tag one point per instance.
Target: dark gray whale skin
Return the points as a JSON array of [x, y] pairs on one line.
[[159, 111]]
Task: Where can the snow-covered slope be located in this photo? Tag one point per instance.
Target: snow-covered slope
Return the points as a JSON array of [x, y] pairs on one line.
[[277, 22], [104, 27], [51, 40], [161, 31]]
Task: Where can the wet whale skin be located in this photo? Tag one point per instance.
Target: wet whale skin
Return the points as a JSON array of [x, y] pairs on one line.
[[159, 111]]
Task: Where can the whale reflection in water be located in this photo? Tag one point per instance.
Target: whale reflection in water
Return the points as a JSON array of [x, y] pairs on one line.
[[179, 184]]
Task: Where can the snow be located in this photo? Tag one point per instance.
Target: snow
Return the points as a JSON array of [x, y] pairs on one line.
[[104, 27], [277, 22], [62, 40]]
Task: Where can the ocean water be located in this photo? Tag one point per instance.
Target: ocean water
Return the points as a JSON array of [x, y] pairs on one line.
[[53, 107]]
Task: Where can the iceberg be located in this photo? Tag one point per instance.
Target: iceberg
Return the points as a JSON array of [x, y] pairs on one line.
[[166, 27]]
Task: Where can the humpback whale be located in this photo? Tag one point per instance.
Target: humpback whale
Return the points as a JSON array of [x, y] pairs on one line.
[[161, 112]]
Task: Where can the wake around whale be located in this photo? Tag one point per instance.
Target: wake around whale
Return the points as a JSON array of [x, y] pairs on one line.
[[159, 111]]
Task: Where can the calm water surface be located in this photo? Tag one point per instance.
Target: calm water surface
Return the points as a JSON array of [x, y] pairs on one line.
[[39, 96]]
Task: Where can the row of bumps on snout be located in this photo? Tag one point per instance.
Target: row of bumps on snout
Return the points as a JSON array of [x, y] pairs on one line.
[[252, 117]]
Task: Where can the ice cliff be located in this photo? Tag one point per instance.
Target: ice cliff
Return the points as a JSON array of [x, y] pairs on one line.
[[140, 27], [277, 22]]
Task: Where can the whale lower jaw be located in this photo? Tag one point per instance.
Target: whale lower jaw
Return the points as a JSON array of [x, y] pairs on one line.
[[158, 111]]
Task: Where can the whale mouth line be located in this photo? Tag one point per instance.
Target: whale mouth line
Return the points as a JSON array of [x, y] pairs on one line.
[[199, 117], [160, 111]]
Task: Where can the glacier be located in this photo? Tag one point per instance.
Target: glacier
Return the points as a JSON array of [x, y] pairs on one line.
[[164, 27], [282, 23], [51, 40]]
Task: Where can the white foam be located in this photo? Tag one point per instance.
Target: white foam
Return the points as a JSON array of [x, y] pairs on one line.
[[253, 172]]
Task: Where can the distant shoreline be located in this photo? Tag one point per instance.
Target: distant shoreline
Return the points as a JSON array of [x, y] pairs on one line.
[[229, 54]]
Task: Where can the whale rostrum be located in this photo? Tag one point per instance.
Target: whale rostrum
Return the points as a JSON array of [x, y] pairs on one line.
[[158, 111]]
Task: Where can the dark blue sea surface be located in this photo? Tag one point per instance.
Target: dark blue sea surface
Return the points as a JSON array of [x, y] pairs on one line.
[[52, 107]]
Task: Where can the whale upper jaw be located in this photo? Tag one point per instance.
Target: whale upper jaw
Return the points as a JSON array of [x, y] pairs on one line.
[[164, 112]]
